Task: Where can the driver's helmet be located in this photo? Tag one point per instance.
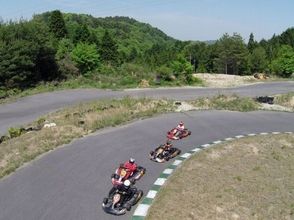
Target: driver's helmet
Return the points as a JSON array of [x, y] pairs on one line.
[[132, 160], [168, 143], [181, 123]]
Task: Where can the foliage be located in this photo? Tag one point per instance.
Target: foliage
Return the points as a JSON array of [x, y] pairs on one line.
[[65, 46], [57, 24], [232, 57], [14, 132], [198, 55], [258, 61], [85, 56], [54, 46], [252, 44], [164, 73], [108, 49], [283, 65], [17, 63], [182, 68], [82, 34]]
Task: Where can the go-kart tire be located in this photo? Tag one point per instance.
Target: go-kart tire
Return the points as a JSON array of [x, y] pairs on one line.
[[140, 194], [128, 206], [105, 201]]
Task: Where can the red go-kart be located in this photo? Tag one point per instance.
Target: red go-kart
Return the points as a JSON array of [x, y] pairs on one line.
[[121, 174], [175, 134]]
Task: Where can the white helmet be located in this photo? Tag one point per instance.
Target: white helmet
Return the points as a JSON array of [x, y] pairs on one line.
[[132, 160], [127, 183]]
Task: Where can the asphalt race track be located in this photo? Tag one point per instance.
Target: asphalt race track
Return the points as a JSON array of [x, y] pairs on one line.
[[70, 182], [27, 109]]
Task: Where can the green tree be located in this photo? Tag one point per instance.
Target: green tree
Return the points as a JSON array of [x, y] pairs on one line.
[[85, 56], [287, 37], [258, 61], [65, 47], [57, 25], [232, 55], [109, 50], [196, 52], [252, 44], [283, 65], [17, 64], [182, 69], [81, 34]]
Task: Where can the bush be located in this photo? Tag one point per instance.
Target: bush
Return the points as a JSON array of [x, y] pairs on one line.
[[14, 132], [165, 73]]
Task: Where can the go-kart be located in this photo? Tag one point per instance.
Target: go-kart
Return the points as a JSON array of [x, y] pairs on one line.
[[120, 201], [121, 174], [161, 155], [175, 134]]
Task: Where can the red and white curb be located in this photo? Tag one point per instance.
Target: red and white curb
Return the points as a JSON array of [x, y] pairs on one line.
[[142, 209]]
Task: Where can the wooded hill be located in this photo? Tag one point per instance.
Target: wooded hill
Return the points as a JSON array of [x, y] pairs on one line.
[[121, 52]]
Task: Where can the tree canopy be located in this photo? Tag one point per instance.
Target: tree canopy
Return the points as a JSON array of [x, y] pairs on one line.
[[55, 46]]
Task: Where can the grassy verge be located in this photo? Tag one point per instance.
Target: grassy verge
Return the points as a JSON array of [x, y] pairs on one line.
[[72, 123], [286, 100], [250, 178], [223, 102]]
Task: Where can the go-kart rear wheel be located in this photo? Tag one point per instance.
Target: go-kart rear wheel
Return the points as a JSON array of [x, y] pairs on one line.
[[128, 206], [139, 196], [105, 200]]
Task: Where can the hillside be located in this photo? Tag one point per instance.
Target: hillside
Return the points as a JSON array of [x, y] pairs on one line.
[[78, 50], [130, 35]]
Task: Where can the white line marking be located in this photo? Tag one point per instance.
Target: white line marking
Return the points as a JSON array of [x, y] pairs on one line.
[[186, 155], [276, 132], [229, 139], [141, 210], [239, 136], [160, 181], [196, 149], [177, 162], [289, 132], [251, 134], [205, 145], [168, 171], [263, 133], [217, 142], [151, 194]]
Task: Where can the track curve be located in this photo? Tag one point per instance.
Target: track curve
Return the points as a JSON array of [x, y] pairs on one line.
[[70, 182], [27, 109]]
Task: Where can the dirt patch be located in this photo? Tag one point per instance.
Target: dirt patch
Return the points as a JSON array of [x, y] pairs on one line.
[[249, 178], [224, 80]]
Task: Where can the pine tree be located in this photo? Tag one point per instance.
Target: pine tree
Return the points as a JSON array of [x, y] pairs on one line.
[[81, 34], [57, 25], [251, 43], [108, 49]]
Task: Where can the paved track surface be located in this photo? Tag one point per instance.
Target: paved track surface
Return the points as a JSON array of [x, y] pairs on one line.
[[70, 182], [27, 109]]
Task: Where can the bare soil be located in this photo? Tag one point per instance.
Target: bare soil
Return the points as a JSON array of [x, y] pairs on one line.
[[224, 80]]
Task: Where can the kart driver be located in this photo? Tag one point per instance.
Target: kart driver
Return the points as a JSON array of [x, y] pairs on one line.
[[131, 165], [167, 146], [179, 129]]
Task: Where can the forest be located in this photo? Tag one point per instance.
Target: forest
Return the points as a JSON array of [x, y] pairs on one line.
[[120, 52]]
